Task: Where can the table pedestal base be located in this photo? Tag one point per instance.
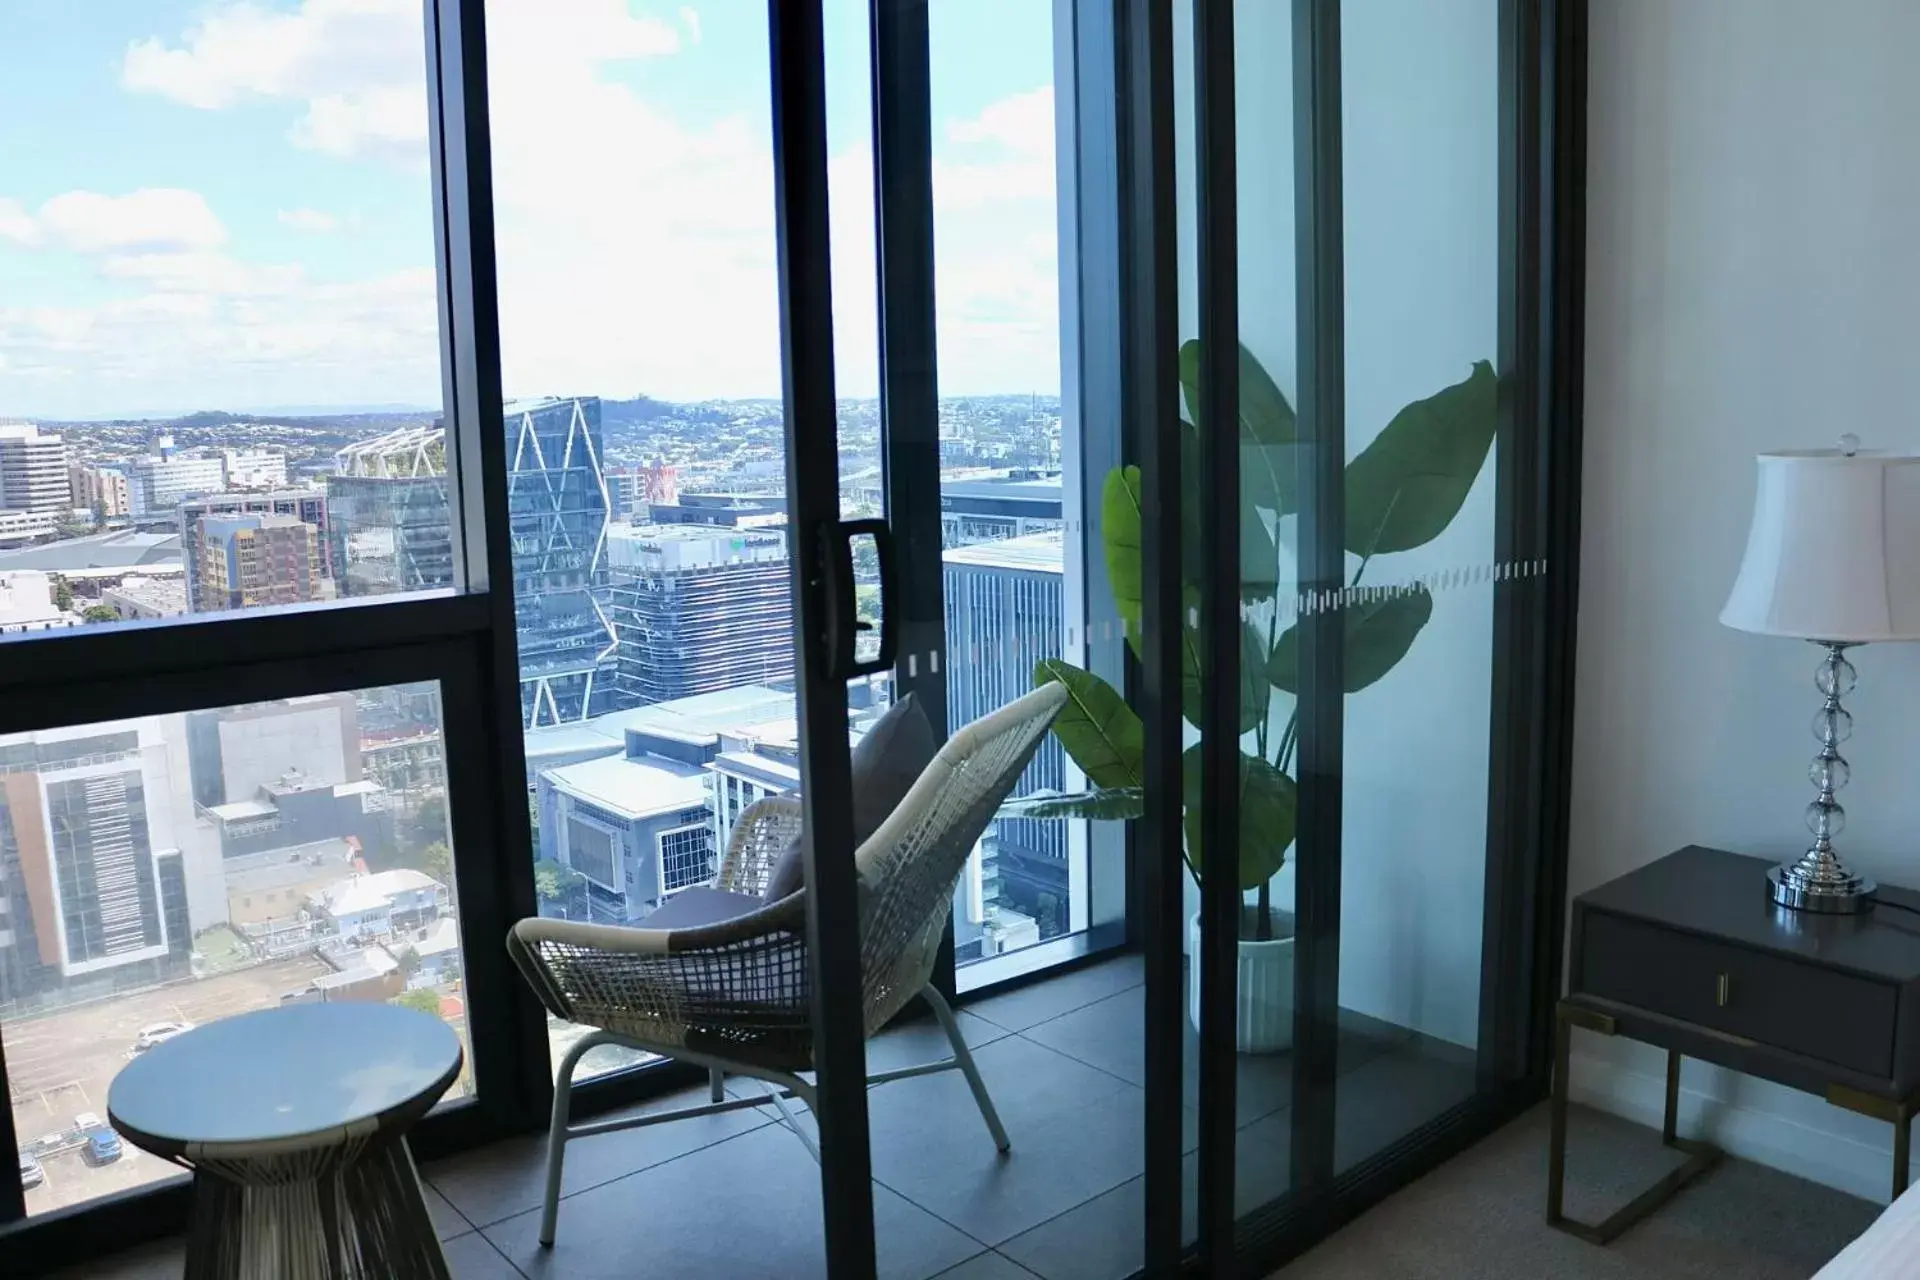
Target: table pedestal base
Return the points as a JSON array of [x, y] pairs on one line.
[[333, 1214]]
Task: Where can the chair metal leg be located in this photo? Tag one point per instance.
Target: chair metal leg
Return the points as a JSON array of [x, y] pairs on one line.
[[716, 1084], [804, 1092], [964, 1057], [557, 1131]]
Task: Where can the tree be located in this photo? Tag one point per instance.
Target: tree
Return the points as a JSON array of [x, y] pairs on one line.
[[422, 999], [100, 613], [552, 881], [437, 861], [62, 595]]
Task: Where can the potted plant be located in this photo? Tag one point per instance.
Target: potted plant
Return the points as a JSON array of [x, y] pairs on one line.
[[1402, 491]]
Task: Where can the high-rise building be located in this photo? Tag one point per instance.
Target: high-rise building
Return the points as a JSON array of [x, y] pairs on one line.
[[698, 608], [94, 882], [249, 560], [33, 470], [558, 508], [391, 531], [1004, 614], [166, 477], [306, 504], [102, 490], [254, 468]]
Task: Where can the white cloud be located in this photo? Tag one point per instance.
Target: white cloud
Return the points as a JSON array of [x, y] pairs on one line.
[[317, 221], [358, 67], [16, 224], [1022, 123], [690, 19], [150, 219], [635, 247]]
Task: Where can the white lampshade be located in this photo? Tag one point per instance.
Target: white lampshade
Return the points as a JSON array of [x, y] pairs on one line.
[[1834, 552]]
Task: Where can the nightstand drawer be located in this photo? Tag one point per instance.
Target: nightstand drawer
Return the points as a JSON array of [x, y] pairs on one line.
[[1821, 1013]]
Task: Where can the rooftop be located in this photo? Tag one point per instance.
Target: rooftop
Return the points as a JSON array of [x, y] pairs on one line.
[[122, 549], [1033, 552], [372, 892], [634, 787], [700, 717], [1046, 489]]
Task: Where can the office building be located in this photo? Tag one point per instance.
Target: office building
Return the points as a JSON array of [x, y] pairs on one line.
[[254, 468], [139, 596], [236, 752], [97, 852], [33, 470], [307, 503], [698, 608], [387, 520], [166, 477], [249, 560], [998, 507], [634, 826], [26, 526], [557, 504], [1004, 614]]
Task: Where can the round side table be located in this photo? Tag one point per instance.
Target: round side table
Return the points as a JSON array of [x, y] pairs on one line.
[[294, 1123]]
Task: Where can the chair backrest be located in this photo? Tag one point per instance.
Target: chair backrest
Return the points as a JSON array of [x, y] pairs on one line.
[[909, 866]]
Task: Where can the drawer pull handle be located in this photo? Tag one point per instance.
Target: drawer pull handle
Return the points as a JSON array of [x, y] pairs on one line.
[[1721, 989]]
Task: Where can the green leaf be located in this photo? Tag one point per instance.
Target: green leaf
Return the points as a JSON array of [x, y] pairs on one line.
[[1120, 538], [1407, 486], [1378, 634], [1096, 726], [1269, 802], [1267, 431], [1252, 672], [1111, 804]]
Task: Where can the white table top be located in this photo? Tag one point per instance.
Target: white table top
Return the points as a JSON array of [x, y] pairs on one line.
[[283, 1073]]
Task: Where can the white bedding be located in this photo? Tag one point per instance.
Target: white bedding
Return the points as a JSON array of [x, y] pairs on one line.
[[1888, 1250]]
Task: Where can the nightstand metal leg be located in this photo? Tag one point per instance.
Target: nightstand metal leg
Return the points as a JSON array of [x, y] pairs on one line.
[[1902, 1148], [1701, 1156]]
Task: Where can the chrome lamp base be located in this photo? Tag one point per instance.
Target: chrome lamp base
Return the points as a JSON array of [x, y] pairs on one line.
[[1819, 881], [1791, 887]]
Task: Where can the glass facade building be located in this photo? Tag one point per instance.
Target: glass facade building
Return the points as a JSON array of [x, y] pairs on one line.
[[558, 510]]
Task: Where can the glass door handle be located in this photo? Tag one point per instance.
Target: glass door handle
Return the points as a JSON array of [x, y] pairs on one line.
[[844, 623]]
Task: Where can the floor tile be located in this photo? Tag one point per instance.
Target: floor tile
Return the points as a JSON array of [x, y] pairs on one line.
[[1111, 1034], [922, 1040], [473, 1257], [1075, 1133], [987, 1266], [1026, 1006], [1102, 1240], [743, 1209], [509, 1177], [447, 1221], [161, 1260]]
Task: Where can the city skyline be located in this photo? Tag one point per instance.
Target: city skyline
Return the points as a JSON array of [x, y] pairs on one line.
[[150, 271]]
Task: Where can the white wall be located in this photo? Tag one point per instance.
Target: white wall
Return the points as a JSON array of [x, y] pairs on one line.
[[1753, 282]]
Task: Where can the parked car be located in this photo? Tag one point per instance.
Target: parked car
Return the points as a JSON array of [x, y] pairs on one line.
[[103, 1147], [159, 1033], [87, 1122], [31, 1174]]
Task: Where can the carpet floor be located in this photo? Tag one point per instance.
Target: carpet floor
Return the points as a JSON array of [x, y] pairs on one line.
[[1481, 1216]]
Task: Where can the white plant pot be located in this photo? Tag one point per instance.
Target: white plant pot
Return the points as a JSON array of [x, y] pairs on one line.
[[1264, 1017]]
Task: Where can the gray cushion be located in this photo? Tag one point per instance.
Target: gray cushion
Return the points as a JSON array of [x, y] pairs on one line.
[[886, 761], [691, 908]]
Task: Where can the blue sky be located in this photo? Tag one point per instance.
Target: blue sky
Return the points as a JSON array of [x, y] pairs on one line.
[[227, 204]]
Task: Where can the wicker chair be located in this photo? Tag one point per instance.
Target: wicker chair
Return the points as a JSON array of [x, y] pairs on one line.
[[735, 996]]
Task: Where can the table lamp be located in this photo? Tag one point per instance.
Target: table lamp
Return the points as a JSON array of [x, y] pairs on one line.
[[1833, 557]]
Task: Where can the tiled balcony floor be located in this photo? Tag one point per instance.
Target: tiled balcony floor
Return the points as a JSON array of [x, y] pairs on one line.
[[736, 1196]]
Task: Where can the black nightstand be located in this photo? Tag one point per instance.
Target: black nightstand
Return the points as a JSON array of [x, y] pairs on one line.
[[1690, 954]]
